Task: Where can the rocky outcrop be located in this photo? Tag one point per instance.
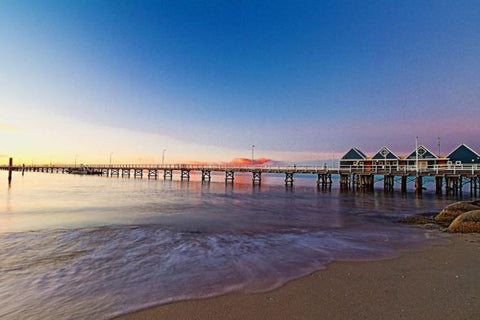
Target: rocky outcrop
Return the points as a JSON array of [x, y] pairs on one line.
[[450, 212], [466, 222], [419, 219]]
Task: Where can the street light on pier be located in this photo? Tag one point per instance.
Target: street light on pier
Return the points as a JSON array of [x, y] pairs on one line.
[[253, 154], [385, 159], [416, 154], [163, 157]]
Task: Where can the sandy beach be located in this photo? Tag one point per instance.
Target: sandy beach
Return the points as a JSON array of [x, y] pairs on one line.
[[426, 282]]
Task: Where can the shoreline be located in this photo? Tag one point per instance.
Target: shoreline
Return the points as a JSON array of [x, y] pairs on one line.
[[427, 281]]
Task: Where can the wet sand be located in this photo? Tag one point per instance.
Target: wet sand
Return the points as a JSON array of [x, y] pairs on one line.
[[429, 282]]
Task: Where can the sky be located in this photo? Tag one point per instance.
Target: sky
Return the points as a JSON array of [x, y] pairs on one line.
[[90, 81]]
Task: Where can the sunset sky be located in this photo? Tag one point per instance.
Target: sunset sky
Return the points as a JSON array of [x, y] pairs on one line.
[[206, 80]]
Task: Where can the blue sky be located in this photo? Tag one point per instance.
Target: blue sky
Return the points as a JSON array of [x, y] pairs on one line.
[[207, 79]]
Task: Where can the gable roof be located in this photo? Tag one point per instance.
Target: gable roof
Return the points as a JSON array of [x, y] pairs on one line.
[[423, 153], [385, 153], [354, 154], [465, 154]]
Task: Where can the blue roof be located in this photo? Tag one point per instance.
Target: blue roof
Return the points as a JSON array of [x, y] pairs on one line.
[[464, 154], [423, 153], [385, 153], [354, 154]]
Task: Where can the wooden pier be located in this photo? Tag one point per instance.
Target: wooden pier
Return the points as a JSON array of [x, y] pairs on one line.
[[452, 179]]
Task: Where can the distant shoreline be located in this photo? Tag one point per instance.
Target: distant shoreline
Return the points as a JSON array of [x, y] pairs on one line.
[[425, 282]]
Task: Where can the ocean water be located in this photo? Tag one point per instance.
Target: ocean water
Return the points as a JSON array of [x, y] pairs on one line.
[[87, 247]]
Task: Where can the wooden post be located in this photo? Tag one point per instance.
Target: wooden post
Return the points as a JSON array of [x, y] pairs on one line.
[[475, 185], [206, 175], [418, 183], [460, 184], [438, 184], [388, 182], [344, 181], [10, 165], [404, 184]]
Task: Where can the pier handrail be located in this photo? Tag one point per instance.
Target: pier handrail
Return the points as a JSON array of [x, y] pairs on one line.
[[443, 169]]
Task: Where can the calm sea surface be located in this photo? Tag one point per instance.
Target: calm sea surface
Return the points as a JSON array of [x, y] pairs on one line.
[[84, 247]]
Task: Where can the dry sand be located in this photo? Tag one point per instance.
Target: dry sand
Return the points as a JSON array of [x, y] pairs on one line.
[[439, 282]]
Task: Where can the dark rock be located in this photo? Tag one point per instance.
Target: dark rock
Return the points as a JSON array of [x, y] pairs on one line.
[[450, 212], [467, 222]]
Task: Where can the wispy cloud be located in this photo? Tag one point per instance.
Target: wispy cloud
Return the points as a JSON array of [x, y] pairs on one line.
[[235, 162], [8, 127]]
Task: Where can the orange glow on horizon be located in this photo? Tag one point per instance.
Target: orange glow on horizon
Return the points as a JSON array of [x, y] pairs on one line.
[[233, 162], [246, 161]]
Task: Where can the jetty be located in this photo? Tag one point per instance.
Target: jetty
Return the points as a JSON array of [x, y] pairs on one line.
[[451, 178]]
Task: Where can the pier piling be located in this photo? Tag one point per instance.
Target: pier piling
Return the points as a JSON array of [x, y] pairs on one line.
[[138, 173], [167, 174], [10, 167], [229, 175], [404, 184], [344, 181], [289, 178], [438, 184], [206, 176], [388, 182], [418, 183], [256, 177], [185, 174]]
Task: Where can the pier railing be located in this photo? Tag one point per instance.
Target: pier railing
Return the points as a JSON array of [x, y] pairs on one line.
[[374, 169]]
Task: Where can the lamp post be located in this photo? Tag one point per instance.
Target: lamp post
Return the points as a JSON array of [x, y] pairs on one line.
[[385, 159], [253, 154], [438, 143], [416, 153], [163, 157], [76, 155]]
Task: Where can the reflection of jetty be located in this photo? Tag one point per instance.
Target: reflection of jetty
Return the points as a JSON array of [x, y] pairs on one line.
[[450, 177]]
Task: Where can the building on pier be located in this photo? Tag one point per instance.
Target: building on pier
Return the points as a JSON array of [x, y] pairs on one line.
[[354, 158], [385, 157], [463, 155], [425, 157]]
